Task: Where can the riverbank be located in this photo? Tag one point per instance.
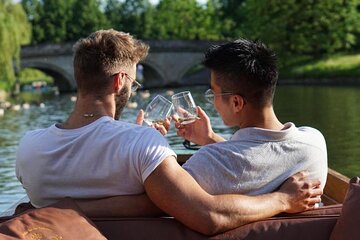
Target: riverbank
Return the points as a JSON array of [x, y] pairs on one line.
[[339, 69]]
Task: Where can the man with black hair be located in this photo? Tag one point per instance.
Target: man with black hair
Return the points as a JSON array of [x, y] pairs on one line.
[[264, 152]]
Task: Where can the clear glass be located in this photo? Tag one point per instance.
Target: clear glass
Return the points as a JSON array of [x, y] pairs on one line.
[[157, 110], [184, 106]]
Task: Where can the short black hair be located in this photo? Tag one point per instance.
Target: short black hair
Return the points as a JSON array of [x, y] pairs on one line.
[[245, 67]]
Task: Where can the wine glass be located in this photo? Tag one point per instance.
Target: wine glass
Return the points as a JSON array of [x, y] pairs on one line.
[[157, 110], [185, 108]]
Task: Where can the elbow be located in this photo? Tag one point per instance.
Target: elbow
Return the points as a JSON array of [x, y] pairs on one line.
[[209, 229], [213, 225], [218, 223]]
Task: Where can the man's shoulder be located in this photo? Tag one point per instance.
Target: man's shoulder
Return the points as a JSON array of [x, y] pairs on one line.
[[217, 151], [139, 135], [138, 129], [36, 132], [313, 132]]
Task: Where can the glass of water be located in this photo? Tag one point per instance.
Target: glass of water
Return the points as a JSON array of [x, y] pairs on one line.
[[185, 108], [157, 110]]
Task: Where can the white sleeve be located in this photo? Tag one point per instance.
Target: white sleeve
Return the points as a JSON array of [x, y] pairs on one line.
[[153, 148]]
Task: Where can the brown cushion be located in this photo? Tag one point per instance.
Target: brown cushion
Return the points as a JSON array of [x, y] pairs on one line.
[[62, 220], [347, 227], [145, 228], [314, 224]]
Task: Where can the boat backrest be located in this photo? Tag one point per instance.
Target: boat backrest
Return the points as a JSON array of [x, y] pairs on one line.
[[336, 188], [315, 224]]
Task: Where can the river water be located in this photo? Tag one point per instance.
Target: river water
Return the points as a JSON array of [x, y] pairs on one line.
[[334, 111]]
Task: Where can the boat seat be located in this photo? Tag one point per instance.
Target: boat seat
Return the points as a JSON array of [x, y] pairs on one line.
[[334, 222], [315, 224]]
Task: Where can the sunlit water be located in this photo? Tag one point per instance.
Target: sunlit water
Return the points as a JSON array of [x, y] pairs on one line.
[[332, 110]]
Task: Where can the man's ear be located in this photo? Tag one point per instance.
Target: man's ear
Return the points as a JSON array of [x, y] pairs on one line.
[[118, 81], [238, 103]]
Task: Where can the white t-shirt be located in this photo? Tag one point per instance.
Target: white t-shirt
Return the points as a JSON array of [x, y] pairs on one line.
[[256, 161], [104, 158]]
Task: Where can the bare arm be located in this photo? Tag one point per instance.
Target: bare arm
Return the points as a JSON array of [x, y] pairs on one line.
[[173, 190]]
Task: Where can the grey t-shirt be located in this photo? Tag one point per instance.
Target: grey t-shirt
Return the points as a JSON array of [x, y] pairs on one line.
[[256, 161]]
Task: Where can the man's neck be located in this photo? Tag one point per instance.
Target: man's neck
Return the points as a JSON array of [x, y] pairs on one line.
[[261, 118], [88, 109]]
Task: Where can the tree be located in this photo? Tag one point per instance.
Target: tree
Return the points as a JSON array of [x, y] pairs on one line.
[[232, 16], [34, 11], [186, 19], [306, 27], [86, 18], [14, 31], [114, 12], [56, 21], [49, 19]]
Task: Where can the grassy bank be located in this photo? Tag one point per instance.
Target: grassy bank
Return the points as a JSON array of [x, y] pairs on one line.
[[27, 76], [332, 67]]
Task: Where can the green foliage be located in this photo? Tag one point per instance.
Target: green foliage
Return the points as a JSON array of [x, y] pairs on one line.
[[186, 19], [232, 18], [57, 21], [54, 18], [302, 27], [86, 17], [14, 31], [34, 11], [29, 75]]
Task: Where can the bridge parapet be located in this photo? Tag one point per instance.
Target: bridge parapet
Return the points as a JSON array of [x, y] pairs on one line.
[[170, 59], [30, 51]]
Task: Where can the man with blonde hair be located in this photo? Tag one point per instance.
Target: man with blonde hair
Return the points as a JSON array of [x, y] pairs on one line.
[[92, 156]]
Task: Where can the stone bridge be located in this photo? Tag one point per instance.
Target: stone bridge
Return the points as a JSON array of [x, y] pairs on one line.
[[168, 64]]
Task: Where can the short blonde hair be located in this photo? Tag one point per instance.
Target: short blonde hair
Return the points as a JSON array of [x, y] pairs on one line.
[[102, 54]]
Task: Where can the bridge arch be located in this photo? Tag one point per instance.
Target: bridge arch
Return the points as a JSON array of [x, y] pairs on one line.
[[166, 65], [190, 64], [153, 76], [62, 78]]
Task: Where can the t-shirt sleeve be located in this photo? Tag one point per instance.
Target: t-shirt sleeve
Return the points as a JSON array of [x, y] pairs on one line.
[[154, 149]]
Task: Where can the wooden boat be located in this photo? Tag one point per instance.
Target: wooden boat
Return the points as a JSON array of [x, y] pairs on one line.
[[317, 223]]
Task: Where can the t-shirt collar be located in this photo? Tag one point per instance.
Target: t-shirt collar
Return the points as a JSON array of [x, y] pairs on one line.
[[262, 134]]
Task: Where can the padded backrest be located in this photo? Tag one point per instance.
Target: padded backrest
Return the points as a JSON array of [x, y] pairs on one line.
[[348, 225], [315, 224], [63, 220]]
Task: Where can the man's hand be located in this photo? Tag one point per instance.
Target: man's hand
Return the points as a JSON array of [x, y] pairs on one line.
[[200, 131], [299, 193], [162, 128]]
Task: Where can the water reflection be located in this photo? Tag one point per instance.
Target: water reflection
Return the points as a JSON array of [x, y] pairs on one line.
[[334, 111]]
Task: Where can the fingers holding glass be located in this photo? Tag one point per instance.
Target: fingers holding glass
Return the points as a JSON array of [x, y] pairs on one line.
[[158, 111], [185, 108]]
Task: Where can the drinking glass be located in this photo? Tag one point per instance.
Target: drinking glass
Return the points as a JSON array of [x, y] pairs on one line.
[[157, 110], [185, 107]]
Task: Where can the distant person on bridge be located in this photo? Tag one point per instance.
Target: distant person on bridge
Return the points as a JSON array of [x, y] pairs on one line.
[[264, 152], [91, 155]]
